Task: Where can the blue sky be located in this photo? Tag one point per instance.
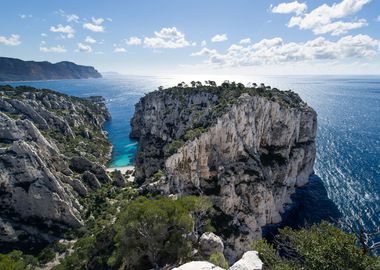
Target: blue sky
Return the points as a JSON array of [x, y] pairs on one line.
[[183, 37]]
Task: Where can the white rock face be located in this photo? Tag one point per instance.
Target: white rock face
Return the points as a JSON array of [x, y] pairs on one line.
[[249, 261], [210, 243], [249, 160], [198, 265], [38, 191]]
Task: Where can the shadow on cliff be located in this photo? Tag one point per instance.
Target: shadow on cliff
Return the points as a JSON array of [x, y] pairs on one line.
[[310, 205]]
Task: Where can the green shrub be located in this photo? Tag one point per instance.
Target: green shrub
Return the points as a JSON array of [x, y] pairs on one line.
[[218, 259], [153, 232], [320, 247], [16, 260], [191, 134], [174, 146], [46, 255]]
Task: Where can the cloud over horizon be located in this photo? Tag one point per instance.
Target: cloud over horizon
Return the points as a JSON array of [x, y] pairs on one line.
[[325, 19], [95, 26], [13, 40], [56, 49], [276, 51], [66, 31], [219, 38], [167, 38]]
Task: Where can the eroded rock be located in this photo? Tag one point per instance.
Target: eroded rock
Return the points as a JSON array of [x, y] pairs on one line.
[[210, 243]]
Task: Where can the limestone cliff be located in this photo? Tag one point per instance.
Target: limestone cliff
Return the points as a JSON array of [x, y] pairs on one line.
[[51, 152], [247, 148]]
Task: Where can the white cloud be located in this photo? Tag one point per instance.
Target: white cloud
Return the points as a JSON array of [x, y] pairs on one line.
[[97, 21], [275, 51], [169, 38], [68, 17], [204, 51], [120, 50], [72, 18], [378, 18], [56, 49], [292, 7], [93, 27], [219, 38], [84, 48], [245, 41], [340, 27], [203, 43], [25, 16], [90, 40], [133, 41], [13, 40], [43, 35], [325, 19], [67, 30], [96, 25]]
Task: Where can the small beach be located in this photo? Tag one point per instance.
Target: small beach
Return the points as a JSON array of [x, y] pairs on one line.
[[122, 169]]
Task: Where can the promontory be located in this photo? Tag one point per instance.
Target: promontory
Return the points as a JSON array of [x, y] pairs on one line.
[[12, 69]]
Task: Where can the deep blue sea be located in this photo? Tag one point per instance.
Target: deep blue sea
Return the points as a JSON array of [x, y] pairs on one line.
[[348, 107]]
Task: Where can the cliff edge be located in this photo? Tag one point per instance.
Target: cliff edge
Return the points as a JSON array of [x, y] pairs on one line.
[[52, 152], [248, 148]]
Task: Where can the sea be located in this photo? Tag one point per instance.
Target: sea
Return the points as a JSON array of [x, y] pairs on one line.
[[348, 142]]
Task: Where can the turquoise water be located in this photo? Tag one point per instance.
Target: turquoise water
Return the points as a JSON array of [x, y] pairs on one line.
[[348, 145]]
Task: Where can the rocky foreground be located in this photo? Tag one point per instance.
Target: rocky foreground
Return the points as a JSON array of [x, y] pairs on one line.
[[247, 148], [52, 152]]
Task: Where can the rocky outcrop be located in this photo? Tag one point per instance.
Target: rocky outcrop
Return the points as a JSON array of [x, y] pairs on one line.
[[198, 265], [210, 243], [246, 148], [41, 135], [249, 261], [12, 69]]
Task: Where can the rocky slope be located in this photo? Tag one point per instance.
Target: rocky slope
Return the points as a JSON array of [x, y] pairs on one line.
[[52, 151], [12, 69], [247, 148]]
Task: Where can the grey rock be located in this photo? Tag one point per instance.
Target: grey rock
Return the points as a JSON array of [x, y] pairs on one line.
[[198, 265], [249, 160], [91, 180], [119, 179], [249, 261], [38, 191], [80, 164], [210, 243]]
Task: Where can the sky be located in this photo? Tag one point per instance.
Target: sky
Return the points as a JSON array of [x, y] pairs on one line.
[[165, 37]]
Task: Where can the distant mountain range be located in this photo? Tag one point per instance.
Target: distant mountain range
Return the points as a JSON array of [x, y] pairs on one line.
[[12, 69]]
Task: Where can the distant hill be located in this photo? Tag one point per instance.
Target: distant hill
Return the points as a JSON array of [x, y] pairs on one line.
[[12, 69]]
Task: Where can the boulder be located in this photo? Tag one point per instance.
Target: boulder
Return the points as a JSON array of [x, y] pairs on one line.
[[80, 164], [249, 261], [91, 180], [210, 243], [119, 179], [198, 265]]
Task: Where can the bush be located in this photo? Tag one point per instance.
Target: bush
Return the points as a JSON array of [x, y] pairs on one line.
[[16, 260], [320, 247], [218, 259], [174, 146], [153, 232], [191, 134]]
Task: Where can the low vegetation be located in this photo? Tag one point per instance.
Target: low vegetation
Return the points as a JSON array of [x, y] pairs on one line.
[[320, 247]]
